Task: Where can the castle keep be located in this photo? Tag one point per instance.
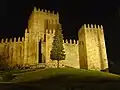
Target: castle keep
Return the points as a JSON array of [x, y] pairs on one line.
[[89, 52]]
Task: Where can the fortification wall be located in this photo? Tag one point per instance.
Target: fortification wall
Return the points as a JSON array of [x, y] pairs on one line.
[[49, 39], [72, 54], [12, 50], [95, 47], [31, 48], [40, 22], [2, 44], [89, 52], [82, 49], [92, 43], [103, 53], [71, 50]]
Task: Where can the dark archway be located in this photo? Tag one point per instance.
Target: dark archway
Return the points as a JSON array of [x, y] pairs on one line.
[[40, 54]]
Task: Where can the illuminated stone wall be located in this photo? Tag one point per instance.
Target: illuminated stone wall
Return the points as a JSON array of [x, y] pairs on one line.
[[43, 24], [95, 51], [12, 51], [71, 50], [82, 49], [89, 52], [72, 55]]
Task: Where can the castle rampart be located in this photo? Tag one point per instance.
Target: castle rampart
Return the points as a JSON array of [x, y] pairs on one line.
[[89, 52], [104, 61], [71, 51], [92, 48], [72, 59], [49, 40], [12, 50]]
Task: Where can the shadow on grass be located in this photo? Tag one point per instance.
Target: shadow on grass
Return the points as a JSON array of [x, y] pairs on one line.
[[65, 82]]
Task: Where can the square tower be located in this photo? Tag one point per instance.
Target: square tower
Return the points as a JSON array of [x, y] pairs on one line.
[[92, 50], [41, 25]]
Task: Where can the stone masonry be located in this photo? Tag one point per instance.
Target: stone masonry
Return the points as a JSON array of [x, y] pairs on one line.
[[89, 52]]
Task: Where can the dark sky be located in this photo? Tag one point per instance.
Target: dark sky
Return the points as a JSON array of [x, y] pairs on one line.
[[73, 13]]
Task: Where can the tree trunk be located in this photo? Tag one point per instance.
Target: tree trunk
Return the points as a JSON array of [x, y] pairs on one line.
[[57, 63]]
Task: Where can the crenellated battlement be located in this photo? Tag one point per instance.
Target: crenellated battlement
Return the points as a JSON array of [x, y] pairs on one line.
[[12, 40], [26, 30], [46, 12], [93, 37], [70, 41], [42, 19], [50, 31], [89, 26]]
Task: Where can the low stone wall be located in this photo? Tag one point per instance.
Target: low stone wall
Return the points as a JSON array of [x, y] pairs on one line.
[[41, 65], [54, 65]]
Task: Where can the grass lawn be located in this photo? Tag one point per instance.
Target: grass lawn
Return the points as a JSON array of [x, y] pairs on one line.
[[64, 79], [17, 71]]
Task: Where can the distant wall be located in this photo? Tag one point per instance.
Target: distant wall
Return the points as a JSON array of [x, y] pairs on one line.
[[70, 47], [72, 54]]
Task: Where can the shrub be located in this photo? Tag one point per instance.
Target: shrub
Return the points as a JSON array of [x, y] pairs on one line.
[[17, 67], [8, 76]]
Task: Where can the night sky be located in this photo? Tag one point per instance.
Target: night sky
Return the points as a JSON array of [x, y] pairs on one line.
[[73, 13]]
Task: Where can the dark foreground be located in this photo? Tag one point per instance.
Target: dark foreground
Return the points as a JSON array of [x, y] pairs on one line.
[[63, 79], [48, 85]]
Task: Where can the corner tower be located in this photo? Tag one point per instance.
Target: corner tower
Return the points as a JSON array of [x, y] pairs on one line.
[[92, 50]]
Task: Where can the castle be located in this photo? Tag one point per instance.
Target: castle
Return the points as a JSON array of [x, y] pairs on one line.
[[89, 52]]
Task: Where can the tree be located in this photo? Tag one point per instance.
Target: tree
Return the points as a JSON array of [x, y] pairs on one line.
[[57, 52]]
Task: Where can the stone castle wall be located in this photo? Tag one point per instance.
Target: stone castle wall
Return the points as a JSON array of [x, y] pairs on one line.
[[93, 40], [89, 52], [82, 49], [71, 50], [72, 54], [43, 22], [103, 53], [12, 51], [40, 20], [49, 40], [31, 48], [92, 46]]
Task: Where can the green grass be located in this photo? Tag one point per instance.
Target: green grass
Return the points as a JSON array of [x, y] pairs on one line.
[[16, 71], [65, 78], [70, 73]]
